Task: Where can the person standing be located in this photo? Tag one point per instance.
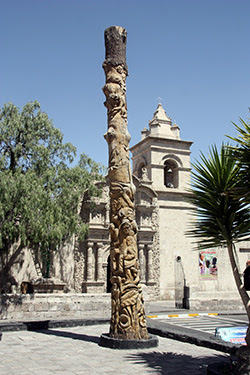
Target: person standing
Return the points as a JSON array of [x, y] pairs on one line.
[[246, 276]]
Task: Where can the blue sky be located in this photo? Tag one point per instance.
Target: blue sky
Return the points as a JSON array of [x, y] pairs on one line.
[[193, 54]]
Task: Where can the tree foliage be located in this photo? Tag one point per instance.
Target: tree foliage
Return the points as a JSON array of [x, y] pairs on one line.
[[242, 154], [39, 193], [220, 219]]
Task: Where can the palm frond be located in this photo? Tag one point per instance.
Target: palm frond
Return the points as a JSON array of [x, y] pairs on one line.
[[219, 218]]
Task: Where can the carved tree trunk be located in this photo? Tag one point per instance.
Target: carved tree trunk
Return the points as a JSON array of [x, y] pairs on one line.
[[127, 315]]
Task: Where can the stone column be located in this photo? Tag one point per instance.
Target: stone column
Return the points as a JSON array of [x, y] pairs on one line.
[[127, 312], [150, 263], [90, 261], [142, 262], [99, 261]]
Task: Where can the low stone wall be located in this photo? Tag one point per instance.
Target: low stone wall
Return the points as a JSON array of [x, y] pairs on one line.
[[21, 307], [216, 304]]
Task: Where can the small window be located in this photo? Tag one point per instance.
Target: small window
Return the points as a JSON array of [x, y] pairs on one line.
[[170, 174]]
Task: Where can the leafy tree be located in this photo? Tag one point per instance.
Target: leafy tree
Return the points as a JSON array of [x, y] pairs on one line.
[[220, 219], [39, 192]]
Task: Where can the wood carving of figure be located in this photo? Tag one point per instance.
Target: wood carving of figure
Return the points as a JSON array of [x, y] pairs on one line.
[[115, 300], [127, 315]]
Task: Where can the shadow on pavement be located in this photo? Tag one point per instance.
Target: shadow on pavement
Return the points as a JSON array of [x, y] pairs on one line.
[[169, 363], [71, 335]]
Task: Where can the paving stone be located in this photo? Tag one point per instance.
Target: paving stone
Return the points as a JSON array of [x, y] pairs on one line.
[[76, 351]]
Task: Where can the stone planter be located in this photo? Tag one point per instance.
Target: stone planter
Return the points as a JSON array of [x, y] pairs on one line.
[[49, 285]]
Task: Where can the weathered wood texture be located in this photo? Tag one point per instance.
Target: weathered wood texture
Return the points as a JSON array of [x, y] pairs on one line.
[[127, 315]]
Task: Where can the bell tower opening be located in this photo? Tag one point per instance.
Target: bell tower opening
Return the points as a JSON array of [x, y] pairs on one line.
[[170, 174]]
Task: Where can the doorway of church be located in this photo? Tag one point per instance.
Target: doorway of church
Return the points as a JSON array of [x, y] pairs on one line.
[[182, 293]]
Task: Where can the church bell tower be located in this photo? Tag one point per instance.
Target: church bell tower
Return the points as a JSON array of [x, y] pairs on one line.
[[165, 158]]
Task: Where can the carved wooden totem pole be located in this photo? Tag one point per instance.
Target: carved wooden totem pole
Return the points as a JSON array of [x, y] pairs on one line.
[[127, 314]]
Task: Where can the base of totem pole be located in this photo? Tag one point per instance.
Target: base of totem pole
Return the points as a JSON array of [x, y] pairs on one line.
[[113, 343]]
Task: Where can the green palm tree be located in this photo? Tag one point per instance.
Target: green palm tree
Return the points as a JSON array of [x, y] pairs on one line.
[[220, 219], [242, 154]]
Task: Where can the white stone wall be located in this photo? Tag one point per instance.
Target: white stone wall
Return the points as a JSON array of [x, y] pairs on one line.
[[174, 243], [221, 293]]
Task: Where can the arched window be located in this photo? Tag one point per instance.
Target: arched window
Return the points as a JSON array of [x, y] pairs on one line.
[[170, 174]]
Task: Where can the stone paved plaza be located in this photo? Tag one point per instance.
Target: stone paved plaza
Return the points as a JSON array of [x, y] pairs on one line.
[[76, 351]]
